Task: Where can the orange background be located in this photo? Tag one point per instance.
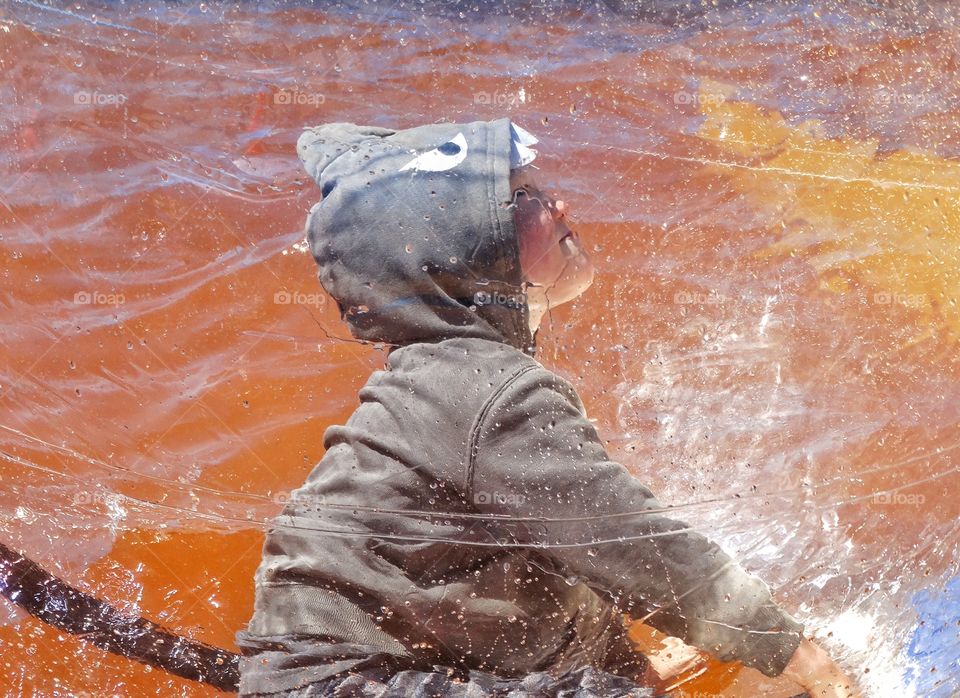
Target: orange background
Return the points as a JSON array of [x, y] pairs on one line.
[[771, 202]]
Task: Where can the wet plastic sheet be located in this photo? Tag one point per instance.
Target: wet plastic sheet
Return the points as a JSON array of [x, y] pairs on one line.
[[769, 192]]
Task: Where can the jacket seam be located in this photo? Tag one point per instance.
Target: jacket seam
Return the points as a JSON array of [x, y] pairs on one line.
[[478, 425]]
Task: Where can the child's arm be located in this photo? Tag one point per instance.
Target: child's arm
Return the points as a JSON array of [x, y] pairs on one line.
[[813, 669], [534, 454]]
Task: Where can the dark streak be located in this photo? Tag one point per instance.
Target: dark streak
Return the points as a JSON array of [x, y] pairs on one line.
[[50, 599]]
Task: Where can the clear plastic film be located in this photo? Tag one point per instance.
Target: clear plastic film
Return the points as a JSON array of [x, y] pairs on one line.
[[767, 191]]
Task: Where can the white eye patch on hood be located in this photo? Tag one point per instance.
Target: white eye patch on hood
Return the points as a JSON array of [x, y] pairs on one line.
[[444, 157], [448, 155]]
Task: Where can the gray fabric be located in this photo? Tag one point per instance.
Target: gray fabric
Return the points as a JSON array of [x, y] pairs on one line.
[[467, 515], [586, 682]]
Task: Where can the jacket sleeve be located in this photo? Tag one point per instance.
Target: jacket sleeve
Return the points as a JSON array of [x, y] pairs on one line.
[[534, 455]]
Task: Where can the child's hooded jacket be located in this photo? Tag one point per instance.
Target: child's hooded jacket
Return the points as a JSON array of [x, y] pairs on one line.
[[467, 514]]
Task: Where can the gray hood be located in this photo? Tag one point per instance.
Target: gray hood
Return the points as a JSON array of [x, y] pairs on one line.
[[415, 236]]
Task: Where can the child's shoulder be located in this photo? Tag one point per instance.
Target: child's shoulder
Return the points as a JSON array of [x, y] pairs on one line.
[[460, 354], [464, 372]]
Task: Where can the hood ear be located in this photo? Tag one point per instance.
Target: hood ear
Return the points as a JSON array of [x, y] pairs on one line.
[[317, 147]]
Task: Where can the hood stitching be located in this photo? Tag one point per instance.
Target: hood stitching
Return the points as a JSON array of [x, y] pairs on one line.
[[520, 324], [473, 445]]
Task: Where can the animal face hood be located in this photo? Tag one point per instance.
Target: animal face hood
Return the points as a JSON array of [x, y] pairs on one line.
[[415, 235]]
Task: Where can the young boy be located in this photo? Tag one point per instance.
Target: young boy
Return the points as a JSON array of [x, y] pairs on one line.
[[465, 533]]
